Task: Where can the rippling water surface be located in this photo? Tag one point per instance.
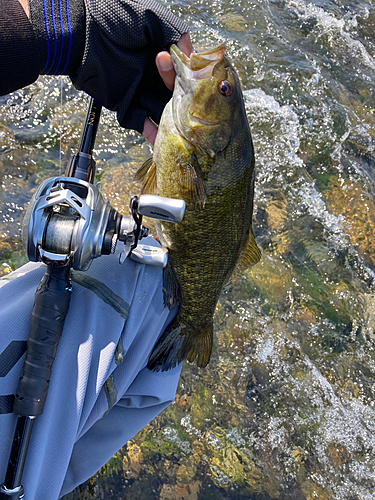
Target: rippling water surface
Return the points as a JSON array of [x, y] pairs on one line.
[[285, 409]]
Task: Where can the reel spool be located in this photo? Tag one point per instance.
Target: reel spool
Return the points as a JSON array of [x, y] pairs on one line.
[[68, 220]]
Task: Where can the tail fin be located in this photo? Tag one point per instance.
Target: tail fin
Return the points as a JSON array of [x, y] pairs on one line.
[[176, 344]]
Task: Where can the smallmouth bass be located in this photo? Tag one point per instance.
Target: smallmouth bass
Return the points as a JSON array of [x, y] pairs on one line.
[[204, 155]]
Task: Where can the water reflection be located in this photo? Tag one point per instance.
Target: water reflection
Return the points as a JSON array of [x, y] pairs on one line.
[[286, 407]]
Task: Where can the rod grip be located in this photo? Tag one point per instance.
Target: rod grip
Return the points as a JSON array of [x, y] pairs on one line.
[[16, 494], [51, 306]]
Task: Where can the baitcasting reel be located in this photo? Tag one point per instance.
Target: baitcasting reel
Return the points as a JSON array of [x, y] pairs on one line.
[[69, 221]]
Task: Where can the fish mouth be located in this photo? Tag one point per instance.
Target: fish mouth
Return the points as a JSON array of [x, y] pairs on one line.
[[175, 51], [200, 64], [190, 74]]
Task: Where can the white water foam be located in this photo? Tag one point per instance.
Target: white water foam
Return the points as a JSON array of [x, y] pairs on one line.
[[338, 31]]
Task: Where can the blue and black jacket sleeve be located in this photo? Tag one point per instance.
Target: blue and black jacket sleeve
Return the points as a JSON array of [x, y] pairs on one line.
[[107, 47], [52, 43], [19, 57]]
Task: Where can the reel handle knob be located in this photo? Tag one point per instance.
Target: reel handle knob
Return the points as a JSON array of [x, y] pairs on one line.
[[158, 207], [150, 254]]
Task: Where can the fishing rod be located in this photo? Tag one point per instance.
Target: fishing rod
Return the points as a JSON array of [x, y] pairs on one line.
[[67, 224]]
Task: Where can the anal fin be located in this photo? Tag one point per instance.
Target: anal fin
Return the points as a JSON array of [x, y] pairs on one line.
[[177, 344], [164, 354], [250, 255]]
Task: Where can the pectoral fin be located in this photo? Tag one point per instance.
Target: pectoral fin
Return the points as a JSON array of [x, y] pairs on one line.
[[147, 174], [192, 182], [250, 255]]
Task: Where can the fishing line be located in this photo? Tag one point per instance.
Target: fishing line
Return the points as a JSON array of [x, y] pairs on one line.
[[61, 122]]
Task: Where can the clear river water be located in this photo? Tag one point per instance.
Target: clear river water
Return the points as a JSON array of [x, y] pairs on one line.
[[285, 409]]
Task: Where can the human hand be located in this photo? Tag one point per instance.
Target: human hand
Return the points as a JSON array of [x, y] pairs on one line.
[[116, 53], [123, 39], [166, 70]]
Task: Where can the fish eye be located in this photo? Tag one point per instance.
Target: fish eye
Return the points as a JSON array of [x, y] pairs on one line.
[[225, 88]]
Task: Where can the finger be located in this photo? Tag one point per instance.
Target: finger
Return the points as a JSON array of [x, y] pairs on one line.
[[164, 60], [166, 70], [149, 131]]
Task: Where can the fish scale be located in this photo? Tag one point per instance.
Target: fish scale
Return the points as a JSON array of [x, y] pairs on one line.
[[204, 155]]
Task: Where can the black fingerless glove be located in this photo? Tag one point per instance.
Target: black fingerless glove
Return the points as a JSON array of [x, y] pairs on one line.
[[108, 47], [118, 68]]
